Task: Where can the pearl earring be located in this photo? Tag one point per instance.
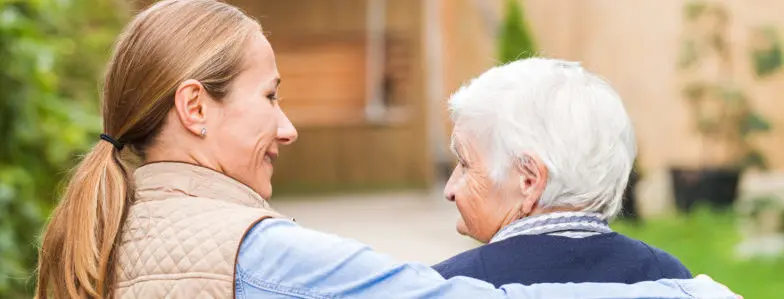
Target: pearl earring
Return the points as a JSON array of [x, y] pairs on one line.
[[203, 132]]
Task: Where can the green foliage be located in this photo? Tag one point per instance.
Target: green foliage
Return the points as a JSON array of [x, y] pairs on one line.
[[754, 159], [687, 55], [754, 123], [755, 206], [52, 54], [515, 40], [767, 59], [693, 10], [705, 242]]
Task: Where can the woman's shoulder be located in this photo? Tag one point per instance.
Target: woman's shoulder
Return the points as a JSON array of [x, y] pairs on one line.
[[669, 264], [467, 263]]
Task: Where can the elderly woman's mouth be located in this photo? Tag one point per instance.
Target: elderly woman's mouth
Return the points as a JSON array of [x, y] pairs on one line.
[[270, 157]]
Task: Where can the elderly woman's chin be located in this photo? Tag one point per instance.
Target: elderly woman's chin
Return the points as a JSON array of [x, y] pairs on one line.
[[465, 230], [462, 228]]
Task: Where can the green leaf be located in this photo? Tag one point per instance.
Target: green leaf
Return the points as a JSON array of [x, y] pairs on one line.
[[754, 159], [693, 9], [731, 95], [767, 60], [707, 125], [687, 56], [754, 123]]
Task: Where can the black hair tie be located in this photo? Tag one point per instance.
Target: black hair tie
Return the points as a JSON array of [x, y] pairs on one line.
[[118, 145]]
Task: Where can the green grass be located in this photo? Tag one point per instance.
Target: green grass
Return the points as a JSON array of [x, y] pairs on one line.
[[705, 242]]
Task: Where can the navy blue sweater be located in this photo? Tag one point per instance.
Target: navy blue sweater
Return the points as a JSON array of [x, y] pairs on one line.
[[530, 259]]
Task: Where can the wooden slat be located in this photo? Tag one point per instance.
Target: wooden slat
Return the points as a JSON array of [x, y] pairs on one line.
[[323, 80]]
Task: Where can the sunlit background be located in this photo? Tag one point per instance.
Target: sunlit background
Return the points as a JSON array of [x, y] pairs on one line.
[[366, 82]]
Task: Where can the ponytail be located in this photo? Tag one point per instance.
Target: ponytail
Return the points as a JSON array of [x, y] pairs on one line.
[[78, 247], [76, 258]]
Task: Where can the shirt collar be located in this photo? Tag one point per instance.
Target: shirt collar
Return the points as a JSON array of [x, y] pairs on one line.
[[552, 223], [159, 180]]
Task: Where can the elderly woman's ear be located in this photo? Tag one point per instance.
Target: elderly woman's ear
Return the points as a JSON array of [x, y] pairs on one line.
[[533, 180]]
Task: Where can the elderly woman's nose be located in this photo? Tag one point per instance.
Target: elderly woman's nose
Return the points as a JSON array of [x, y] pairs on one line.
[[287, 133], [451, 188], [449, 196]]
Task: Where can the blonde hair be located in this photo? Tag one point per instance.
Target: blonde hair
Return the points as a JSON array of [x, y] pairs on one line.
[[162, 46]]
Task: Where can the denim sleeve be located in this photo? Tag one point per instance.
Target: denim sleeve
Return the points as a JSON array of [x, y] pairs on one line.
[[279, 259]]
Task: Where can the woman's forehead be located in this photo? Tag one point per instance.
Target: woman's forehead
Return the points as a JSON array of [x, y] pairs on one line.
[[261, 58]]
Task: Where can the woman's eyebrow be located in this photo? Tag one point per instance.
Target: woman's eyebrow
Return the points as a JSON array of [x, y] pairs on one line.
[[454, 148]]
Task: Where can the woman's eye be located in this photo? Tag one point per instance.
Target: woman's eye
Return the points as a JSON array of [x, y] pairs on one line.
[[273, 97]]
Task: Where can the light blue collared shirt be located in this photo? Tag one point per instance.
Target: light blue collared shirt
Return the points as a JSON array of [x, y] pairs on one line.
[[279, 259]]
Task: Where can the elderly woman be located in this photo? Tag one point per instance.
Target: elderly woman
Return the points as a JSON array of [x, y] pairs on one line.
[[545, 149], [191, 91]]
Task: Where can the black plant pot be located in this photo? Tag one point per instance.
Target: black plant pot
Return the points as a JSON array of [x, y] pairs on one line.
[[629, 205], [715, 187]]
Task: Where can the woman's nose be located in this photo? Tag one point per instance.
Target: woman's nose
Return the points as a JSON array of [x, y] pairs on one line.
[[287, 133]]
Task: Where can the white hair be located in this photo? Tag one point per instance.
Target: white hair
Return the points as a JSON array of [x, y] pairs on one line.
[[571, 119]]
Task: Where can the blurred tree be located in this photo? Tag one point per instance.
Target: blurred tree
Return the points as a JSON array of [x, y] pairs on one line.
[[516, 41], [51, 56]]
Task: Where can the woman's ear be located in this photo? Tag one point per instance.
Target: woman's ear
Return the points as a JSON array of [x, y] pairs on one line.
[[533, 180], [190, 102]]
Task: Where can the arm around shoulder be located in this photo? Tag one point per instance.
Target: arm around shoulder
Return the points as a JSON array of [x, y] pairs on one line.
[[279, 259]]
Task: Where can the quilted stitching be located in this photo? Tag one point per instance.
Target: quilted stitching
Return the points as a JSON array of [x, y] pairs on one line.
[[177, 243]]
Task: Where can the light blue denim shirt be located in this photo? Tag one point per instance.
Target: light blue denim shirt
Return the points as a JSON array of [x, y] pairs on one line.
[[279, 259]]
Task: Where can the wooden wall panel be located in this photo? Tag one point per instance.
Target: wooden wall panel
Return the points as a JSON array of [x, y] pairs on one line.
[[319, 49], [323, 80]]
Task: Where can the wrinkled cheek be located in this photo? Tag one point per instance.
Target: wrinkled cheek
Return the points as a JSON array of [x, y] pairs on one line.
[[469, 204]]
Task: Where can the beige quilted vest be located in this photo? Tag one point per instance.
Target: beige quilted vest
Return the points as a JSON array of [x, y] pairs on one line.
[[182, 233]]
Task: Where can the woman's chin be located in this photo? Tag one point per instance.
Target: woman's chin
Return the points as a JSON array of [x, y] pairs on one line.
[[267, 166], [263, 189], [461, 227], [267, 192]]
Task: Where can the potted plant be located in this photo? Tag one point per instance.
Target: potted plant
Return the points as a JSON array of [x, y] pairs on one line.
[[629, 206], [723, 114], [762, 226]]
